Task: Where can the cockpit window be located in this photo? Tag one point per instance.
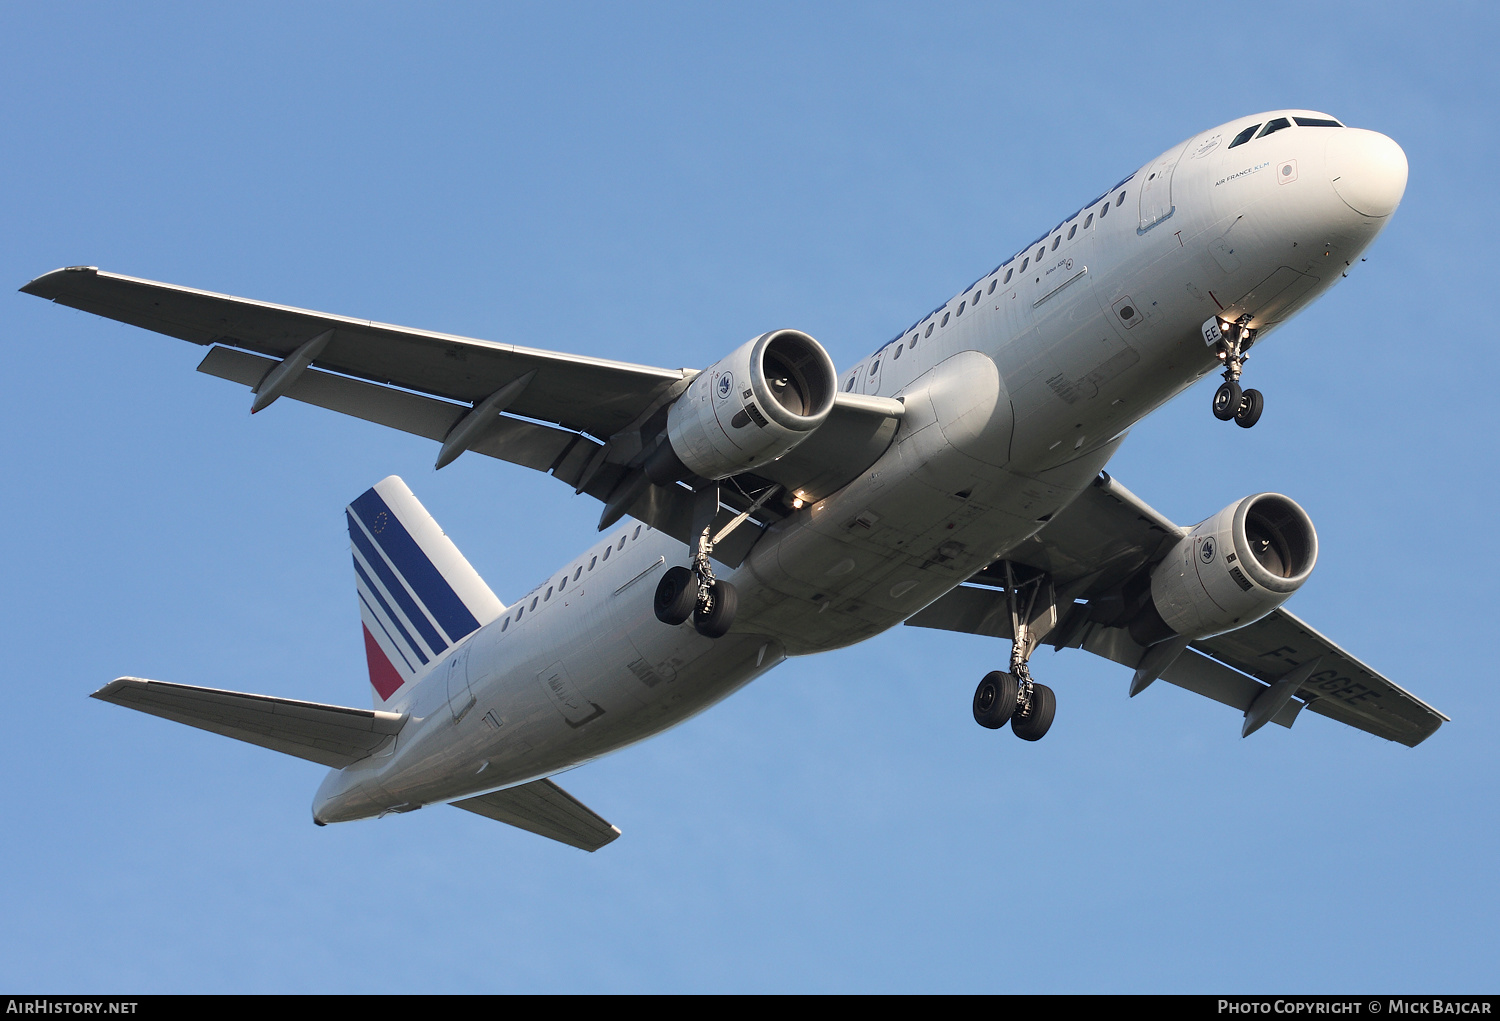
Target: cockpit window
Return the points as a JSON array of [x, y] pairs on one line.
[[1317, 122], [1274, 126], [1244, 136]]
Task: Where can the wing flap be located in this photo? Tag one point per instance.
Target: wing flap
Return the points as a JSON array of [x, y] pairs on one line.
[[328, 734], [1342, 688], [509, 439], [1191, 670], [544, 808]]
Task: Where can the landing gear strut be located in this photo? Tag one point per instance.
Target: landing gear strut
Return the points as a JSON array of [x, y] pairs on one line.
[[1233, 340], [693, 591], [1013, 696]]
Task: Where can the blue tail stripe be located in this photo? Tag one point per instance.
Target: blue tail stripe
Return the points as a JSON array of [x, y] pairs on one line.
[[381, 624], [393, 585], [424, 578], [405, 635]]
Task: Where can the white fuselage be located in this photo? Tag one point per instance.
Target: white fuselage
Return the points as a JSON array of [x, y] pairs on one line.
[[1016, 393]]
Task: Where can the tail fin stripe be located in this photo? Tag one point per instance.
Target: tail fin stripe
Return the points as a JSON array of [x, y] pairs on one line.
[[383, 676], [392, 583], [372, 615], [363, 584], [414, 566]]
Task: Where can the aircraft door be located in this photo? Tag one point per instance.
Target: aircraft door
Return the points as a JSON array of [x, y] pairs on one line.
[[1156, 189], [460, 695]]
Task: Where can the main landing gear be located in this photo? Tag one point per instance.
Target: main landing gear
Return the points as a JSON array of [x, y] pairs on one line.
[[1012, 696], [694, 592], [1233, 340]]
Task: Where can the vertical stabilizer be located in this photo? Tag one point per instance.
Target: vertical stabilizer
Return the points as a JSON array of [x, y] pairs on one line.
[[418, 596]]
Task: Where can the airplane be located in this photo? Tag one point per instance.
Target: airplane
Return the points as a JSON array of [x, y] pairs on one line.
[[769, 506]]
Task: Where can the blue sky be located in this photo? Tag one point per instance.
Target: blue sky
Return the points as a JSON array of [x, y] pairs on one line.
[[658, 183]]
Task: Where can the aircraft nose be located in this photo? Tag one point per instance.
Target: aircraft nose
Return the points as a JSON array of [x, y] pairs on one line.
[[1368, 170]]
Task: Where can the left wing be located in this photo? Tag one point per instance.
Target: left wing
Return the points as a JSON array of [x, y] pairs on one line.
[[583, 420], [1270, 670]]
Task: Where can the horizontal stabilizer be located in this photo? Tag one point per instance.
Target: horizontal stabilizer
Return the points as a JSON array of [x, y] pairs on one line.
[[329, 734], [547, 810]]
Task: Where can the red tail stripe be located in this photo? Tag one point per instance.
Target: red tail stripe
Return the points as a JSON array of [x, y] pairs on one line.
[[383, 676]]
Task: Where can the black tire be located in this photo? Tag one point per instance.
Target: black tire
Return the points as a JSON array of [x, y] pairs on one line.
[[1227, 400], [1251, 405], [995, 699], [1035, 724], [676, 596], [716, 620]]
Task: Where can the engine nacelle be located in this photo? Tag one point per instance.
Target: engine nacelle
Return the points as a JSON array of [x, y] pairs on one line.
[[747, 409], [1233, 568]]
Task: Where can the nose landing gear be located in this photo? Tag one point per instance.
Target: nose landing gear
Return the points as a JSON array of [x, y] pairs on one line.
[[1233, 340], [1013, 697]]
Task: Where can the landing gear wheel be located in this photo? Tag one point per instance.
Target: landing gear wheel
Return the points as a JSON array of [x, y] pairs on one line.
[[1251, 405], [1035, 724], [714, 621], [1227, 400], [676, 596], [995, 699]]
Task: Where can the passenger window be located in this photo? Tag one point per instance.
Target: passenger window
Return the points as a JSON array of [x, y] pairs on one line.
[[1274, 126], [913, 341], [533, 603], [592, 562], [992, 288], [1056, 241], [850, 386], [622, 543], [1041, 252], [1007, 275], [578, 573], [518, 614], [505, 624], [929, 331], [606, 551], [1024, 263], [1244, 136], [637, 533], [1121, 200], [1071, 231], [961, 305], [899, 349], [1089, 222], [945, 320], [562, 584], [548, 595], [1104, 209], [875, 366]]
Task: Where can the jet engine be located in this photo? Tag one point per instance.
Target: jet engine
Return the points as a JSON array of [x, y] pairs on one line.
[[1231, 570], [747, 409]]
